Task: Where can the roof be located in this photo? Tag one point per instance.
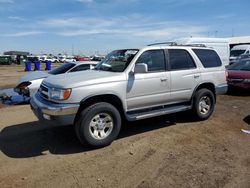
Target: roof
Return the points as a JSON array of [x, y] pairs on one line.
[[239, 40], [16, 53], [200, 40]]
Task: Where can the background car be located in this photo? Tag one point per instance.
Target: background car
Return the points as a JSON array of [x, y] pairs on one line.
[[239, 75], [29, 84]]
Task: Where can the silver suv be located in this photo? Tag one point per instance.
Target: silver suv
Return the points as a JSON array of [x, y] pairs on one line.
[[132, 84]]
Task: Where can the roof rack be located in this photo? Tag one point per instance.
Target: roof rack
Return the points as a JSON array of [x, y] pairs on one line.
[[166, 43], [175, 44], [193, 45]]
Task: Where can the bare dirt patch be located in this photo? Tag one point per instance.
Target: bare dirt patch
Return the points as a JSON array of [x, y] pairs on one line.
[[169, 151]]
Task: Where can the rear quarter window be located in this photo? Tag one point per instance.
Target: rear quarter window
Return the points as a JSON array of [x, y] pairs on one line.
[[208, 58]]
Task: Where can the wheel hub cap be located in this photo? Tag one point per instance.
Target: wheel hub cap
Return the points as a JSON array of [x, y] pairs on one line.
[[204, 105], [101, 125]]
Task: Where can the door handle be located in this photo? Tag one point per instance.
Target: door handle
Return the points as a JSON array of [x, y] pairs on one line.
[[164, 79], [196, 76]]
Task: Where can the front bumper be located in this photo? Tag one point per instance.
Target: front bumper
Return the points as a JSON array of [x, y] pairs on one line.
[[53, 113]]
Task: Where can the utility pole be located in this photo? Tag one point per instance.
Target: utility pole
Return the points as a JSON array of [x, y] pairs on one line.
[[215, 33], [72, 50]]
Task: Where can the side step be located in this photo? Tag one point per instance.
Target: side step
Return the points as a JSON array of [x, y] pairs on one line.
[[132, 116]]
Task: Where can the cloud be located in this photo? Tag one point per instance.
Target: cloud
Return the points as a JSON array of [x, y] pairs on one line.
[[6, 1], [76, 22], [85, 1], [124, 27], [136, 28], [16, 18], [22, 34], [224, 16], [135, 25]]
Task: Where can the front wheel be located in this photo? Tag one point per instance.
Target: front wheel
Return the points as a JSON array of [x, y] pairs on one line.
[[98, 125], [204, 101]]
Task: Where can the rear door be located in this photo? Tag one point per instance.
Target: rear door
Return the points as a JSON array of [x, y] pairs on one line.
[[184, 75]]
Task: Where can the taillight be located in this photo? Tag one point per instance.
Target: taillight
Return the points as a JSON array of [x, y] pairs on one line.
[[226, 75]]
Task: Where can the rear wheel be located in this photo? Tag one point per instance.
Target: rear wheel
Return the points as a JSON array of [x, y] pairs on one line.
[[98, 125], [204, 101]]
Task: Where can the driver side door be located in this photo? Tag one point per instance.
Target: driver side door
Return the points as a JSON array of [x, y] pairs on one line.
[[151, 88]]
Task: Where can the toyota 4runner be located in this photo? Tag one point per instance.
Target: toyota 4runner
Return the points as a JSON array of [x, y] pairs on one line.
[[132, 84]]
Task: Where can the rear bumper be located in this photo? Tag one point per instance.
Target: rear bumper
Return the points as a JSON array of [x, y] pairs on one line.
[[52, 113], [244, 86], [221, 89]]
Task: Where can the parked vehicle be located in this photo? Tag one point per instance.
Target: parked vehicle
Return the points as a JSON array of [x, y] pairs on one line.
[[220, 45], [238, 51], [80, 58], [97, 58], [5, 60], [69, 59], [42, 58], [32, 58], [239, 75], [66, 59], [53, 59], [30, 83], [132, 84]]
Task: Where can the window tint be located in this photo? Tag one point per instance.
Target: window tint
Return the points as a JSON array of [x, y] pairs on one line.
[[62, 68], [81, 68], [180, 59], [155, 60], [208, 58], [243, 65]]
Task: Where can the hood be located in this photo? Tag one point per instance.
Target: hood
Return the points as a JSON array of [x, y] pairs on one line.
[[238, 74], [83, 78], [33, 76]]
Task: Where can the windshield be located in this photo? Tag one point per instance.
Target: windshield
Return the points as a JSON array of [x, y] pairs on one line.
[[117, 61], [62, 68], [236, 53], [241, 65]]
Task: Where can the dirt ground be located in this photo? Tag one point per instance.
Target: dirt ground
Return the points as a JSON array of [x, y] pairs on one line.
[[169, 151]]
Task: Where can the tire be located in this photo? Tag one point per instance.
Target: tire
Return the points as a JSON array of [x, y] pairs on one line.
[[98, 125], [204, 102]]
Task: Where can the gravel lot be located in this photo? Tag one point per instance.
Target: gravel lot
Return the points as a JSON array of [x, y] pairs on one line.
[[168, 151]]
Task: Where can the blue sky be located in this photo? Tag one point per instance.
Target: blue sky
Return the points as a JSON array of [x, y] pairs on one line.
[[89, 26]]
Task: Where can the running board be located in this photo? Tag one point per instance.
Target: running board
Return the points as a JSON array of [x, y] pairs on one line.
[[157, 112]]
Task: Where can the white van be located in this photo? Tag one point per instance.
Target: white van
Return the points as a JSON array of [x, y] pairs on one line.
[[220, 45], [239, 50]]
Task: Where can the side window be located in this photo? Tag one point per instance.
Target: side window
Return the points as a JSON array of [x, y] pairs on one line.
[[208, 58], [155, 59], [180, 59], [80, 68]]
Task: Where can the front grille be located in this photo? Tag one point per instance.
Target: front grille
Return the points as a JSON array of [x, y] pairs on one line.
[[44, 91]]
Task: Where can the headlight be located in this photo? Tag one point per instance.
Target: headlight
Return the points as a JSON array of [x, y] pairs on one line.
[[23, 84], [22, 88], [246, 80], [60, 94]]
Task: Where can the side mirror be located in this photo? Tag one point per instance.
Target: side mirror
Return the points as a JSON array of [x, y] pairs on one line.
[[141, 68]]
